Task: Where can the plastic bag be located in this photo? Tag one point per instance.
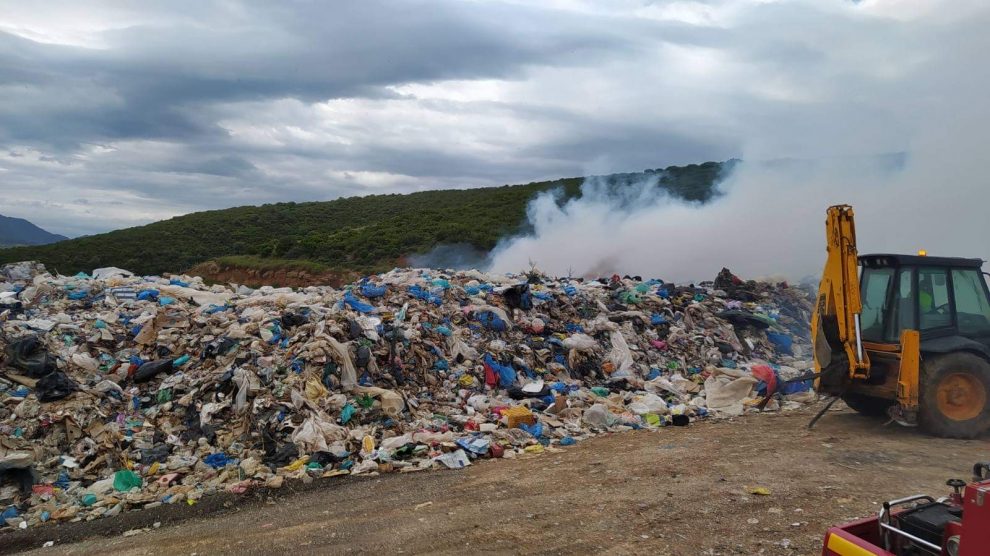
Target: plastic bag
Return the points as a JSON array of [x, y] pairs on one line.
[[620, 356], [425, 295], [392, 403], [217, 460], [649, 403], [599, 416], [581, 342], [504, 374], [124, 480], [313, 434], [354, 303], [372, 291], [151, 369], [348, 374], [30, 356], [243, 383], [54, 386]]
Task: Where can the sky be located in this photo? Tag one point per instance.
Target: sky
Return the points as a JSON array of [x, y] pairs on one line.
[[117, 114]]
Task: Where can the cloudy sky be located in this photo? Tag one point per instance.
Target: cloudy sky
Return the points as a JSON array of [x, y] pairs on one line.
[[115, 114]]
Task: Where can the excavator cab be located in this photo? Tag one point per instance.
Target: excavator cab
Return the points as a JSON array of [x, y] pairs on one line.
[[941, 297], [908, 336]]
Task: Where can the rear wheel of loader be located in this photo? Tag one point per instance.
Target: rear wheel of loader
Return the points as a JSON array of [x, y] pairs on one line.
[[867, 405], [955, 390]]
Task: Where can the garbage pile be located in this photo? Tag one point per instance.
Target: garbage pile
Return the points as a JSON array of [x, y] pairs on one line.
[[122, 392]]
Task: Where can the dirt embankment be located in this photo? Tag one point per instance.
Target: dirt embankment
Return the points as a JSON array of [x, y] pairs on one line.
[[213, 271]]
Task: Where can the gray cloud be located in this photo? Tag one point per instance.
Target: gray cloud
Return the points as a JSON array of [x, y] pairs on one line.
[[115, 114]]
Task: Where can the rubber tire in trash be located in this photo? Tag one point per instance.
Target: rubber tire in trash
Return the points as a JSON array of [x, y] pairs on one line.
[[867, 405], [954, 395]]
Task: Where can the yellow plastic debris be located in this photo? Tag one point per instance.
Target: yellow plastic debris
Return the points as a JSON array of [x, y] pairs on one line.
[[368, 444], [315, 390], [298, 464], [762, 491], [534, 449]]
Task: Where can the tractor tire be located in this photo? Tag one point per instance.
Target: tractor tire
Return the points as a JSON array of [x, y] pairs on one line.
[[954, 398], [867, 405]]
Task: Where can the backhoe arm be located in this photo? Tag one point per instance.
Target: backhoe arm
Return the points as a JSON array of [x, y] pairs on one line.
[[835, 327]]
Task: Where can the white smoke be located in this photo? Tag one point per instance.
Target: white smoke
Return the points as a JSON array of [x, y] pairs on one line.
[[932, 107], [768, 221]]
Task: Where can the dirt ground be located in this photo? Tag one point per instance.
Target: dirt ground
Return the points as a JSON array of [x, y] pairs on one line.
[[679, 491]]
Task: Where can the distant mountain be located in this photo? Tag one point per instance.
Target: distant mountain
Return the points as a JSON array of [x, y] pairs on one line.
[[355, 234], [17, 231]]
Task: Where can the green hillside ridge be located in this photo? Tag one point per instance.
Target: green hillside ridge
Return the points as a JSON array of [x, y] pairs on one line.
[[363, 234]]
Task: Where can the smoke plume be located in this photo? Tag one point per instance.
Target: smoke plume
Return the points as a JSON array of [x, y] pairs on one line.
[[768, 220], [830, 146]]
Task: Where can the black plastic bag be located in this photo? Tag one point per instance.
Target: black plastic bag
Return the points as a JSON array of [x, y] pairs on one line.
[[158, 454], [151, 369], [54, 386], [30, 356], [363, 357], [518, 297], [292, 320]]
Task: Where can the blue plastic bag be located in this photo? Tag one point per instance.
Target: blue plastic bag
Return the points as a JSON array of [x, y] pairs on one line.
[[535, 430], [425, 295], [782, 342], [657, 319], [441, 283], [354, 303], [786, 388], [217, 460], [148, 295], [372, 291], [505, 373], [346, 413], [491, 321]]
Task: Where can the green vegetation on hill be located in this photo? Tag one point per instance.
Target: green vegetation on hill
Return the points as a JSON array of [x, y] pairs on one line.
[[363, 234]]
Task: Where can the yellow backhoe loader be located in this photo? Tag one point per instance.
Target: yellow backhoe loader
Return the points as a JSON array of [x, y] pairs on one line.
[[909, 336]]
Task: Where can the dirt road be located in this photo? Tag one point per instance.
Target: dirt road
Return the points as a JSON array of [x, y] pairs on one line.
[[680, 491]]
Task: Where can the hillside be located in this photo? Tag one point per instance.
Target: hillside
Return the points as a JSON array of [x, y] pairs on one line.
[[359, 234], [17, 231]]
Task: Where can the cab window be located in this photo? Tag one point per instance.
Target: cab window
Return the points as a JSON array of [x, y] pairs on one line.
[[874, 286], [934, 310], [904, 305], [972, 308]]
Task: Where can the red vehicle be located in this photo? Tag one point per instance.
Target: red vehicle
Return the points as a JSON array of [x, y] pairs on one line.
[[958, 525]]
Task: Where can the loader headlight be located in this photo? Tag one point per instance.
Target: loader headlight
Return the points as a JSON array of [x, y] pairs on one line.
[[952, 545]]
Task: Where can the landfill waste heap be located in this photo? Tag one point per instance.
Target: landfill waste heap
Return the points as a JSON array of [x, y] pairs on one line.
[[120, 392]]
